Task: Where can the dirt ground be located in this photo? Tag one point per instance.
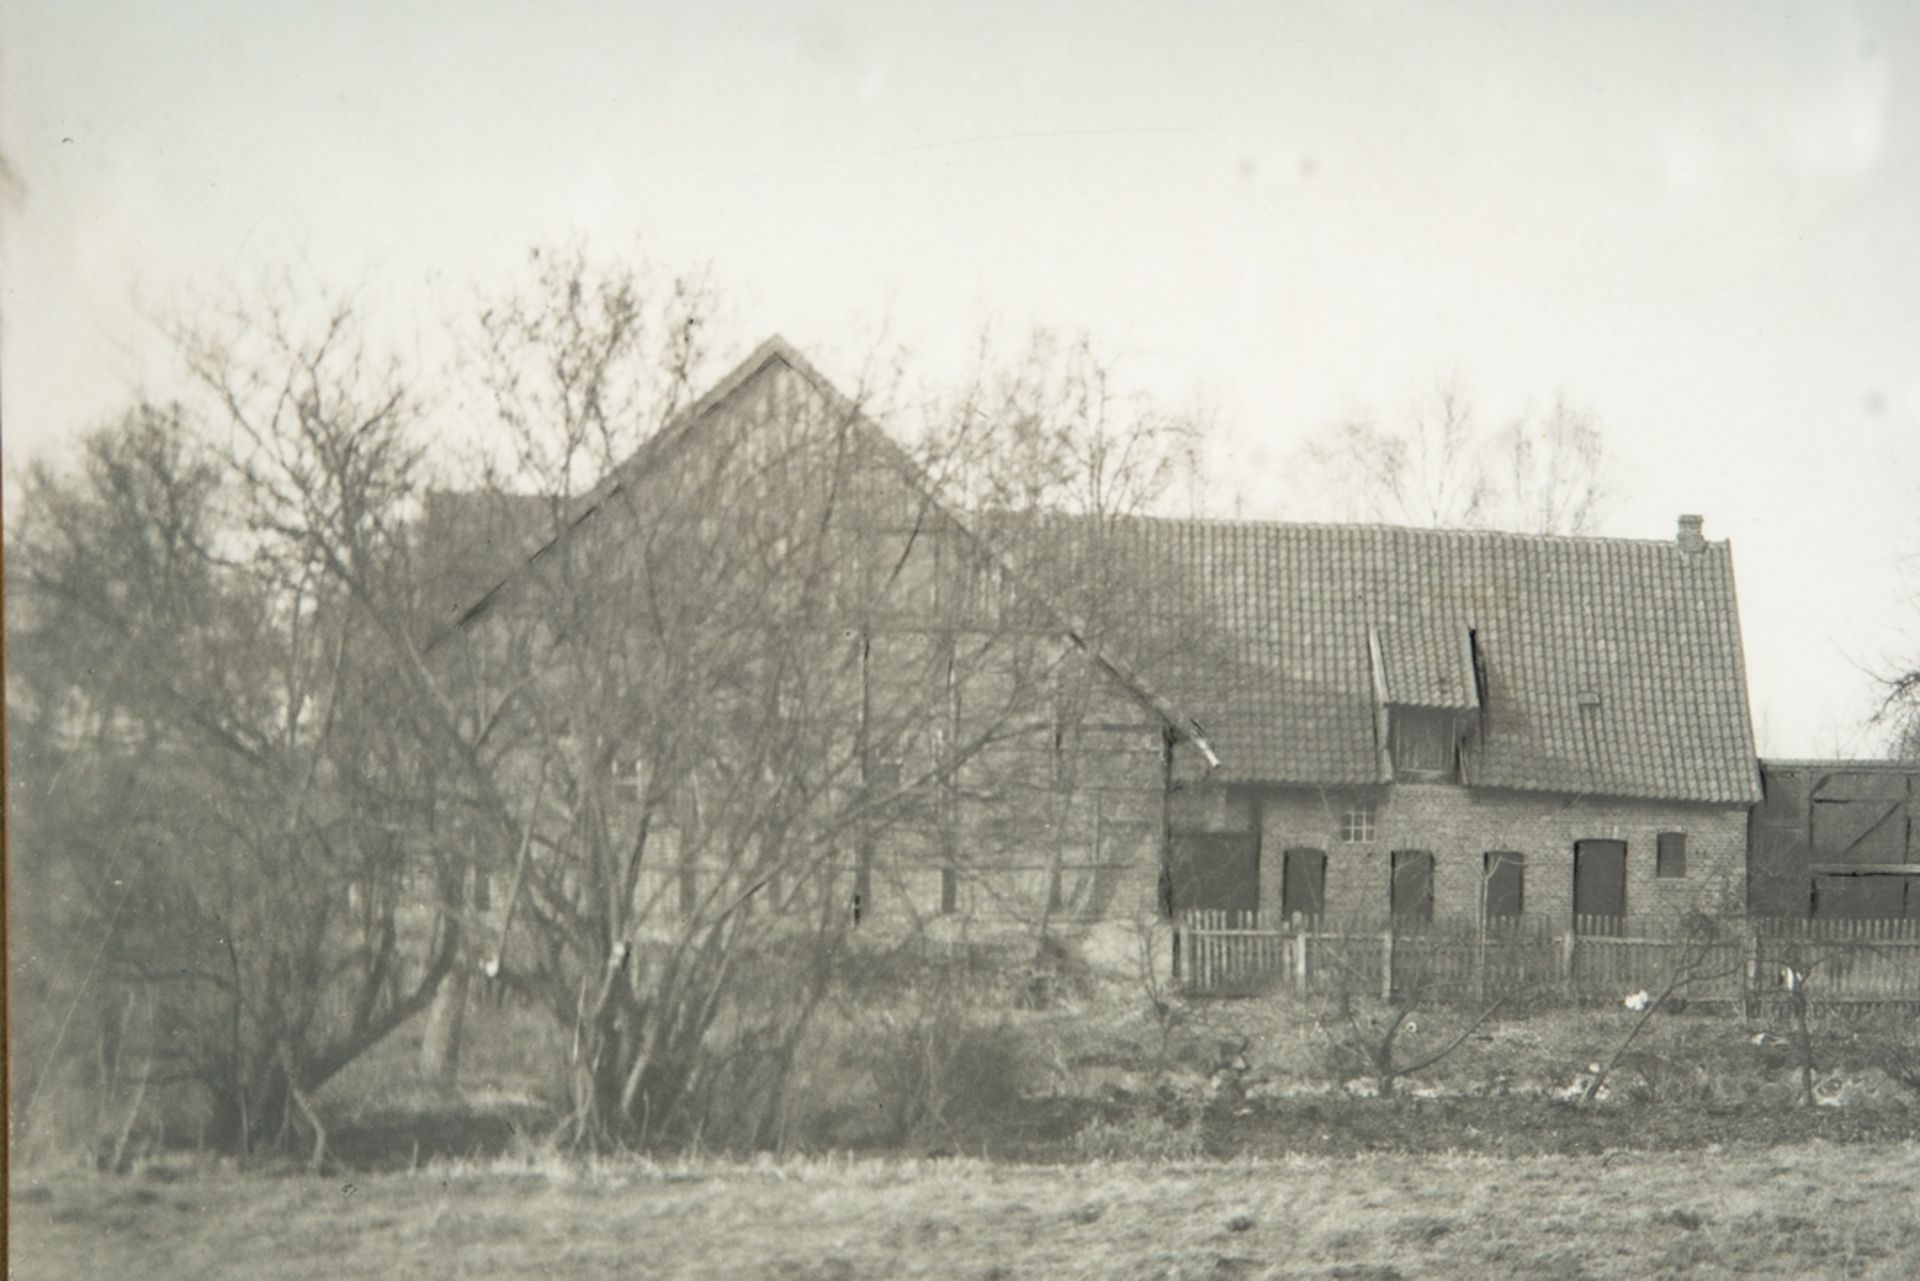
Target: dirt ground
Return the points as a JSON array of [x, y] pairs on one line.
[[1811, 1210], [1227, 1139], [1231, 1080]]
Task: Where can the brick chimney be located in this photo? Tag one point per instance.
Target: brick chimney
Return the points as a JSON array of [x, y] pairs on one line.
[[1692, 539]]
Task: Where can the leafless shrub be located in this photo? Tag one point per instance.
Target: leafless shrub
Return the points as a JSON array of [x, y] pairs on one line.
[[1363, 1019], [1703, 959]]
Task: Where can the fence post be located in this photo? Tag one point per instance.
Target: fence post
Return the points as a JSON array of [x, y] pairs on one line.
[[1751, 1001], [1300, 955], [1179, 944], [1386, 963], [1566, 958], [1195, 950], [1480, 963]]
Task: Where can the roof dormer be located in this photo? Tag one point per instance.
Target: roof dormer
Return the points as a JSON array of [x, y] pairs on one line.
[[1427, 687]]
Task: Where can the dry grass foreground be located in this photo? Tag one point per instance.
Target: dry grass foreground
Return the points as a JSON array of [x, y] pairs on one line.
[[1809, 1211]]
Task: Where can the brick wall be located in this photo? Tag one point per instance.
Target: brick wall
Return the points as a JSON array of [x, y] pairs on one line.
[[1460, 825]]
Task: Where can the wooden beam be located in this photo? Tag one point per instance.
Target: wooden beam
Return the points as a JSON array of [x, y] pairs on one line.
[[1381, 694]]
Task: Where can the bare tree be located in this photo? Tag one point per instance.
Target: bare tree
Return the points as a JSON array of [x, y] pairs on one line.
[[1556, 472], [1899, 710], [740, 650], [708, 661], [1051, 427], [1429, 470], [1900, 713], [214, 774], [1442, 466]]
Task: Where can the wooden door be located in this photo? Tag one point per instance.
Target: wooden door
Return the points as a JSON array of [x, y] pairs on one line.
[[1411, 893], [1503, 886], [1600, 885], [1303, 883]]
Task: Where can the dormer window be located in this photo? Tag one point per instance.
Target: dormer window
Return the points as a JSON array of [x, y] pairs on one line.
[[1426, 744], [1429, 688]]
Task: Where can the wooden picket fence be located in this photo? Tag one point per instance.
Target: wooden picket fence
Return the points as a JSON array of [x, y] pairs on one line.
[[1589, 959]]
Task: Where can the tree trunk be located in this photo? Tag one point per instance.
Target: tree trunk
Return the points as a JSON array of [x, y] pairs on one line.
[[252, 1118], [446, 1024]]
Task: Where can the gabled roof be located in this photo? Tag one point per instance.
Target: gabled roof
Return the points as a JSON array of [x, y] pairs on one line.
[[532, 523], [1586, 666], [1609, 666], [497, 537]]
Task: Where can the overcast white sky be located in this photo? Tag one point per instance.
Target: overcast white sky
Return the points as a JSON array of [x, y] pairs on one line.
[[1704, 225]]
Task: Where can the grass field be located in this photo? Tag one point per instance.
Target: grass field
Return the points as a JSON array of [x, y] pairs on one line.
[[1813, 1210], [1086, 1141]]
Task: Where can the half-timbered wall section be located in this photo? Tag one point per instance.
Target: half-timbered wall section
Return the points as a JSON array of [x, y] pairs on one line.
[[775, 555]]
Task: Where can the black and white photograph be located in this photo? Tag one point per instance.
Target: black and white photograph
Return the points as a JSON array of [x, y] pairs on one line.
[[844, 641]]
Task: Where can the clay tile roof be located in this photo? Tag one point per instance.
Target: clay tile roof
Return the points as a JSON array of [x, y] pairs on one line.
[[1428, 663], [1610, 666], [1606, 666]]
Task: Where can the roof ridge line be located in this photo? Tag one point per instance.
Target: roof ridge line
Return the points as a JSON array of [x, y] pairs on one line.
[[1441, 531]]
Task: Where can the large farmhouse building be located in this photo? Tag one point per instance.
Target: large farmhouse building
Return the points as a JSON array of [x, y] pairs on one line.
[[1081, 719]]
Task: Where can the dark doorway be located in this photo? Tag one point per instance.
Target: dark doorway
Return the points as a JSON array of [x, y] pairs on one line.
[[1600, 886], [1303, 883], [1412, 891], [1216, 872], [1504, 885]]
